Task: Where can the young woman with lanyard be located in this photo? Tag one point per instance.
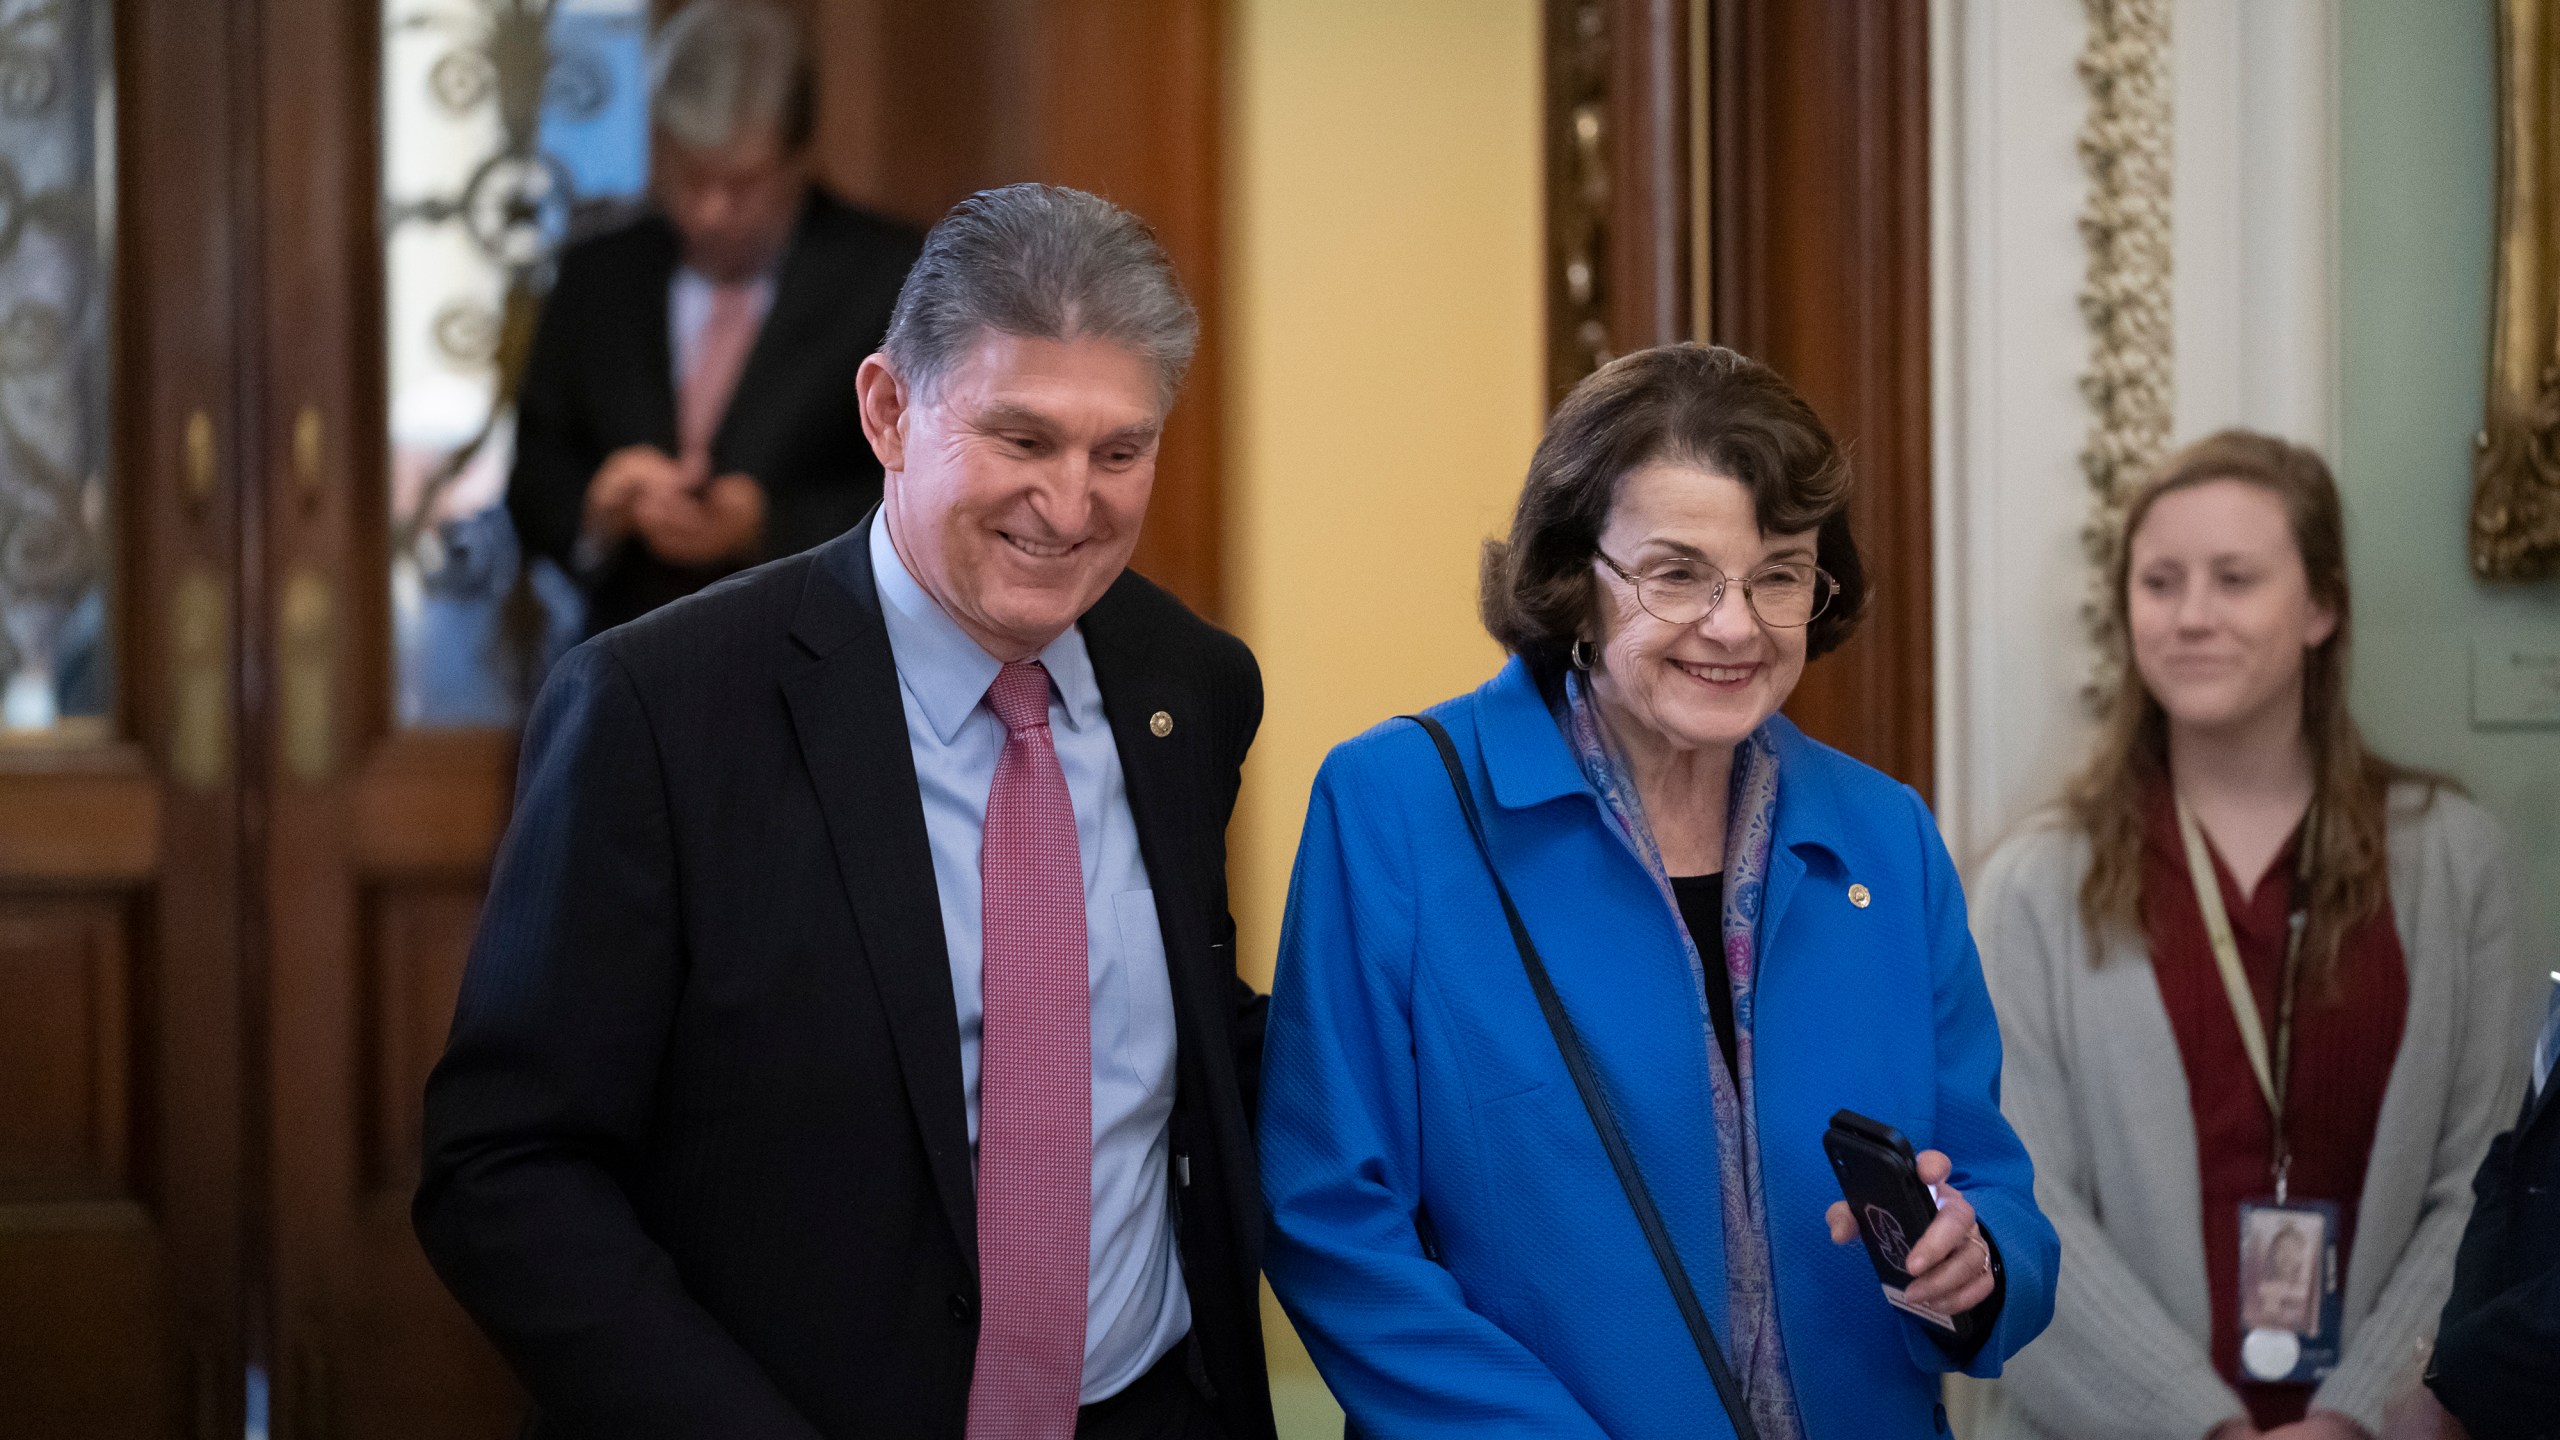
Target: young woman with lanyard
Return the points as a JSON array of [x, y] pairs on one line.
[[2256, 995]]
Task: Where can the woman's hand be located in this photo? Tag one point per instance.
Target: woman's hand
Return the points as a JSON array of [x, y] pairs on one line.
[[1950, 1267]]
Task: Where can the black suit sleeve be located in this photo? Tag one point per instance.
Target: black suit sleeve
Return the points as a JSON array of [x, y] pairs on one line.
[[555, 456], [2493, 1365], [539, 1111], [866, 262], [804, 517], [1252, 1007]]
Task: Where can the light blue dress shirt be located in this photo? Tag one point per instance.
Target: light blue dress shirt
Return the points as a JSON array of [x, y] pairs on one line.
[[1136, 1307]]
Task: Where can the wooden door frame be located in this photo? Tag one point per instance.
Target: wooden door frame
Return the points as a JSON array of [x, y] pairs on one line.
[[138, 836], [1794, 136]]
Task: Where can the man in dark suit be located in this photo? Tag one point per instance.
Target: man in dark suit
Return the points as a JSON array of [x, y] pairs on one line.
[[2497, 1357], [687, 408], [852, 1045]]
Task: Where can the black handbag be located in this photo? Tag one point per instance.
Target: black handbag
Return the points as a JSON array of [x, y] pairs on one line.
[[1596, 1101]]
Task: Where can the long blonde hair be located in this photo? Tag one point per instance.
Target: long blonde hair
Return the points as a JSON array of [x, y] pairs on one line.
[[2345, 846]]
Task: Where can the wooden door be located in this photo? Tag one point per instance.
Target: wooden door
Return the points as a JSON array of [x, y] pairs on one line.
[[378, 834], [122, 1197]]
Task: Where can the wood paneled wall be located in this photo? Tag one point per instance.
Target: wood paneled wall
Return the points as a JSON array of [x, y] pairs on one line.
[[1791, 138]]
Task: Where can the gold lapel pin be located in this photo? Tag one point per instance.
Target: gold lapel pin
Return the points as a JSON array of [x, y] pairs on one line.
[[1859, 897], [1160, 724]]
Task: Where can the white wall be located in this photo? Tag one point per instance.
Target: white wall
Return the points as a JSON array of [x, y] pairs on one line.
[[2009, 421], [1385, 386]]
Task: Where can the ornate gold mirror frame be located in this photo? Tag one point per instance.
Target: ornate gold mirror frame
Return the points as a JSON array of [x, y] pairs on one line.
[[2515, 471]]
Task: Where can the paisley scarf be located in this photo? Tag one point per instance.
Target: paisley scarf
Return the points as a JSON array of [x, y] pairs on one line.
[[1751, 813]]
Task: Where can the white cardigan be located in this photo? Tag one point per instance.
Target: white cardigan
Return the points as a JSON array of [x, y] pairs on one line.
[[2093, 1081]]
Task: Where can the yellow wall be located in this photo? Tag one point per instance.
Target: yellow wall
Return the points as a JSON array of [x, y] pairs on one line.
[[1384, 393], [1383, 396]]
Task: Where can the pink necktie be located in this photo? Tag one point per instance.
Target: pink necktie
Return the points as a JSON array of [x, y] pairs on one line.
[[719, 355], [1035, 1098]]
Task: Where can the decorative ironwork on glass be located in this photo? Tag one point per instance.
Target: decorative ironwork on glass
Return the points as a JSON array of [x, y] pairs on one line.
[[56, 235], [509, 127]]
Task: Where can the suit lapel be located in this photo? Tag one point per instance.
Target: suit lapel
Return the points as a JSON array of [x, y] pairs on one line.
[[853, 736], [644, 339], [802, 306], [1164, 774], [2539, 1109]]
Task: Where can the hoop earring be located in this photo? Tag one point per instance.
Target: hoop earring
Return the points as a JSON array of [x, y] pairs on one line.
[[1582, 655]]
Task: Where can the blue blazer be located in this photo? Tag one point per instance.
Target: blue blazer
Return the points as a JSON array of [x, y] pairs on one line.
[[1410, 1086]]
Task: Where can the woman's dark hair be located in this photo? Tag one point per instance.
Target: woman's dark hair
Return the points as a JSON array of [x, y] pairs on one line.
[[1701, 405]]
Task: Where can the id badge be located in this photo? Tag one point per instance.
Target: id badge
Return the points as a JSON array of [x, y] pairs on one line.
[[2289, 1298]]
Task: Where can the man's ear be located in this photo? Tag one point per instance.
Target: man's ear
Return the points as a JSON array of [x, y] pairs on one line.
[[885, 404]]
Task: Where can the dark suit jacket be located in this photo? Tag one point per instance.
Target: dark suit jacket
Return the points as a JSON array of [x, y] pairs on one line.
[[2497, 1361], [696, 1156], [601, 377]]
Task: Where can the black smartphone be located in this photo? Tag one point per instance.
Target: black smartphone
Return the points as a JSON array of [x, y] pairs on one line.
[[1880, 1178]]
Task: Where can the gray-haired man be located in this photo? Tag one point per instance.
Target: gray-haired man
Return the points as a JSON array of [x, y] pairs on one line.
[[683, 412], [853, 1044]]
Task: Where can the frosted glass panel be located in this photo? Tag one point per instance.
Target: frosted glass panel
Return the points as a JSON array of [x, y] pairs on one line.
[[509, 127], [56, 238]]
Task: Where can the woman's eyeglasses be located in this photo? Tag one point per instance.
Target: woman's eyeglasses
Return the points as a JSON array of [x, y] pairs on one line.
[[1782, 596]]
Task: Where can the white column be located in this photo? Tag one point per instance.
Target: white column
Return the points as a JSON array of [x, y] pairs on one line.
[[2255, 181], [2254, 225], [2008, 419]]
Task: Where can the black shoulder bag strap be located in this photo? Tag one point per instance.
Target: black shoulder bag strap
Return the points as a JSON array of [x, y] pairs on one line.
[[1596, 1101]]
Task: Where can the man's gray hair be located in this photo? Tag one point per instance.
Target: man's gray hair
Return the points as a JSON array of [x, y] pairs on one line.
[[721, 70], [1046, 263]]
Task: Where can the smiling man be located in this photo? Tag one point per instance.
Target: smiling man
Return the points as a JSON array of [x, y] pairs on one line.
[[852, 1045]]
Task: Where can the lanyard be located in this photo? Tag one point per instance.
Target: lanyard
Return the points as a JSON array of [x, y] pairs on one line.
[[2274, 1080]]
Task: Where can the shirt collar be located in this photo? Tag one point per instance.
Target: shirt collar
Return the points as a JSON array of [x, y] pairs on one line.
[[947, 671]]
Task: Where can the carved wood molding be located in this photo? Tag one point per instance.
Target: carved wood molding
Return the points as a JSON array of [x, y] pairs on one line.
[[2125, 298], [1755, 172], [1622, 187], [1577, 182], [2515, 467]]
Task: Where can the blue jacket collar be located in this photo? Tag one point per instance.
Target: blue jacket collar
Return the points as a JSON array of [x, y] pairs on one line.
[[1529, 762], [1525, 755]]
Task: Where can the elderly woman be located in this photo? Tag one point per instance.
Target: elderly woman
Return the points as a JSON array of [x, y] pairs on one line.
[[1743, 930], [2258, 985]]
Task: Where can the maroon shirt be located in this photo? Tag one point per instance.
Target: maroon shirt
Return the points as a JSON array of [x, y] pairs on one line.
[[2342, 1055]]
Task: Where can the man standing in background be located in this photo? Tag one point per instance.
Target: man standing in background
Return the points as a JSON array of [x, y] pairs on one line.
[[688, 407], [2497, 1360]]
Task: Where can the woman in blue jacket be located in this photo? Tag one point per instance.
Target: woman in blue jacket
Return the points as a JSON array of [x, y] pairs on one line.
[[1747, 929]]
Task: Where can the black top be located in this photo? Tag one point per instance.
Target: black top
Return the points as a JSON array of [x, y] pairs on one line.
[[1701, 900], [601, 377], [1702, 910], [697, 1154]]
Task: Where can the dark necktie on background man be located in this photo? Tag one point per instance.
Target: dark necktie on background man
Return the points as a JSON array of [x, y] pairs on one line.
[[1035, 1131]]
